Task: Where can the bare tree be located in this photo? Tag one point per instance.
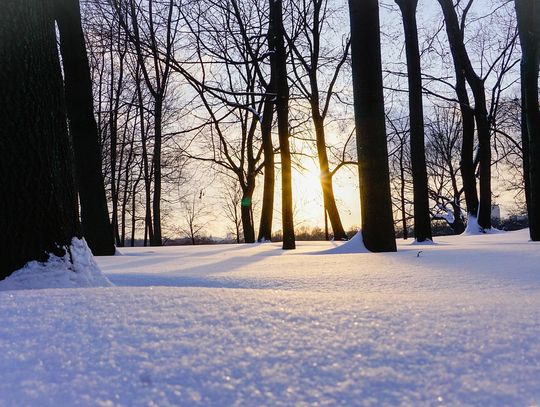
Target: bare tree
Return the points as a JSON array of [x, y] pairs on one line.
[[279, 67], [422, 223], [310, 19], [376, 203], [196, 216], [231, 202], [83, 129], [153, 32]]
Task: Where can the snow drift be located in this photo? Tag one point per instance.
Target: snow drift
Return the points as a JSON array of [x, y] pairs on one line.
[[77, 270]]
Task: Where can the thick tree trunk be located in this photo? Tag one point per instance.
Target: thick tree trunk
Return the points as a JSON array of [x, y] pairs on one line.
[[525, 149], [279, 67], [376, 204], [528, 13], [457, 225], [422, 218], [38, 207], [247, 213], [96, 226]]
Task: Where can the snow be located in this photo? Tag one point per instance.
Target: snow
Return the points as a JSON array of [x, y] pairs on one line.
[[353, 245], [473, 228], [76, 270], [255, 325]]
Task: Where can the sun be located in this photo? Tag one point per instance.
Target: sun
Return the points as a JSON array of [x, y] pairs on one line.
[[308, 200]]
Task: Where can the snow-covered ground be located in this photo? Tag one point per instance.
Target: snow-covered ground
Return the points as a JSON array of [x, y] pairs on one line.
[[454, 323]]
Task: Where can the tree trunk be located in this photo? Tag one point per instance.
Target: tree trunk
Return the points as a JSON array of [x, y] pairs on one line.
[[318, 117], [376, 204], [267, 212], [247, 214], [39, 202], [326, 178], [457, 225], [96, 226], [279, 67], [525, 149], [528, 13], [463, 64], [467, 146], [422, 218], [156, 202], [148, 229], [402, 191]]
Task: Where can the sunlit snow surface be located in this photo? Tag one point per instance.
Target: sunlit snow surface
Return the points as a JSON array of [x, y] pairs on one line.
[[454, 323]]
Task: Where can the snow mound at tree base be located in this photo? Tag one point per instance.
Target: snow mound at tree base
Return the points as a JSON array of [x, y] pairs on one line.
[[354, 245], [474, 229], [77, 270]]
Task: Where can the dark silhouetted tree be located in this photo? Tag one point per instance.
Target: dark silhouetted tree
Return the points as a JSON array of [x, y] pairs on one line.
[[375, 200], [38, 202], [83, 129], [422, 222], [528, 14], [279, 67]]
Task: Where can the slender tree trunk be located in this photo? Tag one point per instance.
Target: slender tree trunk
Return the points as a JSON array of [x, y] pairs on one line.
[[376, 204], [402, 192], [83, 128], [467, 146], [318, 121], [484, 155], [39, 202], [528, 13], [156, 202], [113, 155], [326, 178], [463, 63], [279, 66], [134, 210], [267, 212], [422, 218], [326, 233]]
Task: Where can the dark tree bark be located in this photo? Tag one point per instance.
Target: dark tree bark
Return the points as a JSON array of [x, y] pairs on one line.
[[528, 14], [422, 218], [463, 63], [376, 204], [38, 202], [402, 191], [525, 150], [467, 165], [267, 211], [246, 211], [279, 67], [96, 226]]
